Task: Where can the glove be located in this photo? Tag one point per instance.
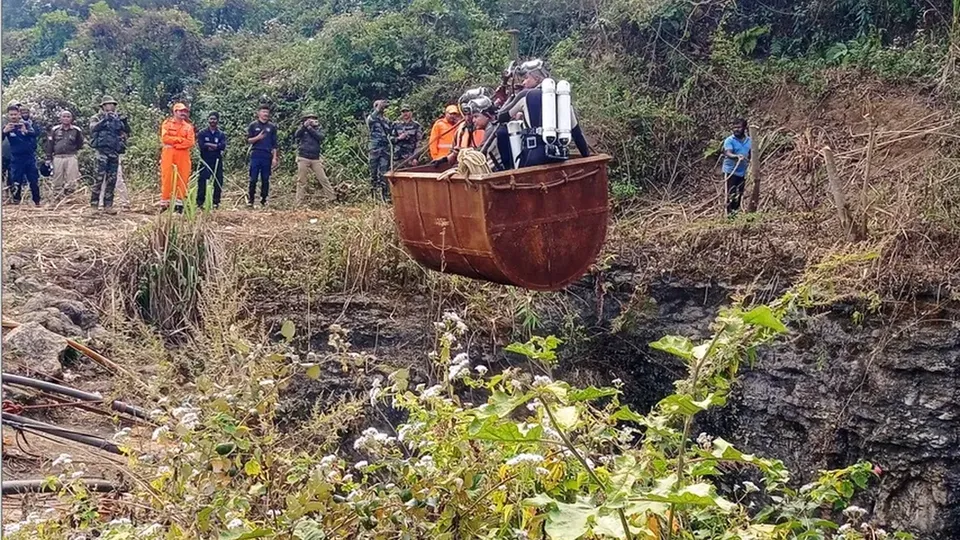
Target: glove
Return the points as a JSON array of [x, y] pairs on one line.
[[438, 162]]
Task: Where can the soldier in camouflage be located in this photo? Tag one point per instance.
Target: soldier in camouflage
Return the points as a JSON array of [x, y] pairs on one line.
[[109, 132], [380, 130], [407, 135]]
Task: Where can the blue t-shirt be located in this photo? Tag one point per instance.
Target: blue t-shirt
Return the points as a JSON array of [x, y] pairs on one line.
[[208, 136], [266, 144], [736, 146]]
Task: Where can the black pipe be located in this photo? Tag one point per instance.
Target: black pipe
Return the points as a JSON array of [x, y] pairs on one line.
[[19, 487], [23, 423], [118, 406]]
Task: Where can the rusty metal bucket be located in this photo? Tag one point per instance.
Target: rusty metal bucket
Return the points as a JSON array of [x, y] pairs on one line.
[[538, 227]]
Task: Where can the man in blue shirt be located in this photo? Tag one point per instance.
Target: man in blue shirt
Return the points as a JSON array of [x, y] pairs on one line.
[[736, 158], [262, 136], [22, 136], [213, 143]]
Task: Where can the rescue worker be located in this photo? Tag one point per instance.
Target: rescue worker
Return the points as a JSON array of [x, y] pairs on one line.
[[108, 136], [737, 150], [444, 132], [178, 137], [262, 136], [5, 147], [309, 136], [484, 119], [63, 143], [407, 135], [380, 130], [22, 136], [527, 105], [213, 143]]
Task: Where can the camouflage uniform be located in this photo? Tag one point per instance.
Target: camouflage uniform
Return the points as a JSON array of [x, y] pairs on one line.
[[108, 137], [405, 148], [380, 129]]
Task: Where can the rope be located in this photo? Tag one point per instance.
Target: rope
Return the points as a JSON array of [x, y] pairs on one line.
[[469, 162]]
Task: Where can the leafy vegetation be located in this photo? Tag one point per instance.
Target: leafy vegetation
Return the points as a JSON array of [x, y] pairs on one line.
[[538, 458], [652, 78]]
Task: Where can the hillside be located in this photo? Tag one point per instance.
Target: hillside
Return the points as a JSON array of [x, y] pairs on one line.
[[301, 377]]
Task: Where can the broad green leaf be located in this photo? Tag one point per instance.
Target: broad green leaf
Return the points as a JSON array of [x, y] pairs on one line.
[[675, 345], [627, 414], [506, 432], [589, 394], [539, 500], [566, 417], [701, 494], [252, 467], [309, 529], [685, 405], [569, 521], [763, 316], [313, 372], [608, 524], [501, 404], [288, 329]]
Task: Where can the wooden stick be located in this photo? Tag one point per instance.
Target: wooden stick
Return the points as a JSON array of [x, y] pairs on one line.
[[755, 172], [836, 189]]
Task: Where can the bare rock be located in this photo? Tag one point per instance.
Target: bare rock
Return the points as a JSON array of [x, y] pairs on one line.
[[30, 344], [55, 321], [78, 313]]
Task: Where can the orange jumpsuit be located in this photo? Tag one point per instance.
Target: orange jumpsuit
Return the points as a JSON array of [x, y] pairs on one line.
[[442, 137], [178, 138]]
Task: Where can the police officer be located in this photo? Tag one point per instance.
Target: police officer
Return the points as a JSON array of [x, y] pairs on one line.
[[213, 143], [527, 105], [380, 130], [22, 137], [109, 132], [407, 135]]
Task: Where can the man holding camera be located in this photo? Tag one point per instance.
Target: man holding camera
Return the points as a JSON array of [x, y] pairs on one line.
[[109, 132], [22, 137], [309, 136]]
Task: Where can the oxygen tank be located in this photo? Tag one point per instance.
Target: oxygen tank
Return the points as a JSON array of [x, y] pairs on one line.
[[548, 114], [515, 130], [564, 113]]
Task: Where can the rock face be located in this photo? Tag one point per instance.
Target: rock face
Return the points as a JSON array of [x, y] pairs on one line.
[[835, 391], [33, 346]]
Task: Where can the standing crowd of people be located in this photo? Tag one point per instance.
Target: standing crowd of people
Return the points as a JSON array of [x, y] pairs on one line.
[[507, 127]]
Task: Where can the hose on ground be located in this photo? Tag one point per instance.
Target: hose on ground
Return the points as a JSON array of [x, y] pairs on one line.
[[27, 424], [19, 487], [118, 406]]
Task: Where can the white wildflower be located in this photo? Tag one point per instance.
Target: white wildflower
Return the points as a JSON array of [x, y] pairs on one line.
[[76, 474], [448, 338], [705, 441], [121, 434], [235, 523], [267, 382], [273, 513], [118, 522], [515, 384], [750, 487], [190, 420], [432, 392], [347, 478], [541, 380], [62, 459], [854, 512], [542, 471], [327, 460], [360, 465], [520, 459], [845, 528], [618, 382], [534, 405], [481, 370]]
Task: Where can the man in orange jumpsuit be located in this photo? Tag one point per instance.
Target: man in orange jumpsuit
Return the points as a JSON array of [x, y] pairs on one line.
[[444, 132], [178, 137]]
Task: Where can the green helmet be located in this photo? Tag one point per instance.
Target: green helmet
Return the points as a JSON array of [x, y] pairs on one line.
[[308, 114], [106, 100]]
